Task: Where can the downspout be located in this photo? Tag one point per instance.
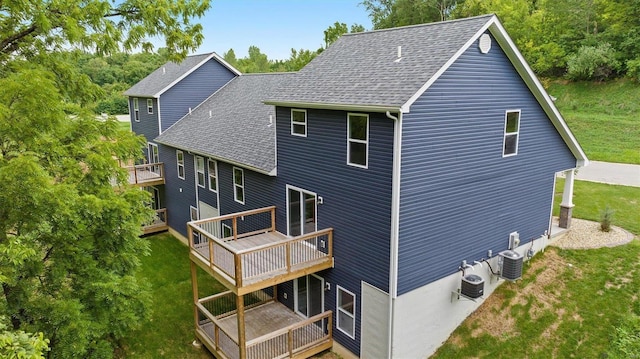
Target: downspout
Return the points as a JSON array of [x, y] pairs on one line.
[[395, 224]]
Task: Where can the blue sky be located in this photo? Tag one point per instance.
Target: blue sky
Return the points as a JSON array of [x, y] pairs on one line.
[[275, 26]]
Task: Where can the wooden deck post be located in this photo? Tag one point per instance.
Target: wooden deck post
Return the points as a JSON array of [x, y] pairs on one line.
[[194, 288], [273, 219], [235, 228], [242, 341]]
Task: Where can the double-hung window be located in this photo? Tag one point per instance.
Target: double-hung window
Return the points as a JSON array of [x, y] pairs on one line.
[[346, 312], [238, 185], [200, 171], [149, 106], [180, 163], [213, 175], [511, 133], [136, 110], [299, 122], [357, 139]]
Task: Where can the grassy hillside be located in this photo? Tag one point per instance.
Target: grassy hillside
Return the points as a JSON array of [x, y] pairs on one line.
[[604, 117]]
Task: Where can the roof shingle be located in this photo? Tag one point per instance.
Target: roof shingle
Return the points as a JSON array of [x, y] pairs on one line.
[[233, 124], [363, 68]]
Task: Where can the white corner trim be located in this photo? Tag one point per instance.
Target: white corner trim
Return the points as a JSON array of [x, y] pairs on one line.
[[407, 105]]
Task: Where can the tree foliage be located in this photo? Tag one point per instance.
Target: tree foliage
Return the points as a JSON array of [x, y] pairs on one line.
[[547, 32], [21, 345], [69, 222]]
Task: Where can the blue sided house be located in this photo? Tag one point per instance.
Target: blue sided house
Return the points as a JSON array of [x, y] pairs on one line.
[[357, 203]]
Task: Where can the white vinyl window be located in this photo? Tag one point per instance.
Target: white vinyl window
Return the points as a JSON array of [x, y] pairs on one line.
[[200, 171], [511, 133], [238, 185], [149, 106], [213, 175], [136, 110], [346, 304], [180, 163], [299, 122], [357, 139], [227, 231]]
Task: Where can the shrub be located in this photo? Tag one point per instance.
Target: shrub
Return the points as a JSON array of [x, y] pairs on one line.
[[633, 69], [606, 217], [593, 63]]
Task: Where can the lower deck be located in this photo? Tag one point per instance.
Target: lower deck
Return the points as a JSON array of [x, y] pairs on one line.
[[271, 331]]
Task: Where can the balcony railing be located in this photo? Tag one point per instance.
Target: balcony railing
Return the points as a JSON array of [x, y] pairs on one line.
[[158, 224], [149, 174], [266, 336], [245, 252]]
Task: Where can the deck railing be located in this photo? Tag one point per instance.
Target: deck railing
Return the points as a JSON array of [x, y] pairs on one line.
[[158, 223], [282, 343], [146, 173], [211, 240]]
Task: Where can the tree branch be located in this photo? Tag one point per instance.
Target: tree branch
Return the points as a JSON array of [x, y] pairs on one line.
[[12, 40]]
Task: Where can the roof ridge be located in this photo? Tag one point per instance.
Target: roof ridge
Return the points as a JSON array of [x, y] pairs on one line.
[[269, 73], [420, 25]]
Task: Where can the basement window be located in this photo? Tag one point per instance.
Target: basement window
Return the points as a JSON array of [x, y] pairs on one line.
[[346, 312], [511, 133]]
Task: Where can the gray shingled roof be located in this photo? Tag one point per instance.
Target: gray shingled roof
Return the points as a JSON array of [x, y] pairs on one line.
[[164, 76], [361, 68], [238, 129]]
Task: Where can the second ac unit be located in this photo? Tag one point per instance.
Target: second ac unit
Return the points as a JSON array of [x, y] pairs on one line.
[[510, 263]]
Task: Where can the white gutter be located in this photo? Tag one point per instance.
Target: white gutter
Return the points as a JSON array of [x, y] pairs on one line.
[[395, 223], [333, 106]]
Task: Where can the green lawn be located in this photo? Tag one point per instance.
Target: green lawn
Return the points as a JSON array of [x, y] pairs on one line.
[[604, 117], [591, 198], [124, 126], [170, 331]]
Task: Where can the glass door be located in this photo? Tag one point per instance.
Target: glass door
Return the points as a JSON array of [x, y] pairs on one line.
[[154, 157], [309, 295], [301, 211]]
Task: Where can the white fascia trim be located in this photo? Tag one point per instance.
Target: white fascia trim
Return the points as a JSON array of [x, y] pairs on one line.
[[407, 106], [214, 56], [333, 106], [527, 74], [220, 159]]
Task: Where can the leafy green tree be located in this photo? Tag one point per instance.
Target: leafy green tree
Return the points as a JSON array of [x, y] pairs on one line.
[[593, 63], [230, 57], [393, 13], [333, 32], [299, 58], [21, 345], [69, 222]]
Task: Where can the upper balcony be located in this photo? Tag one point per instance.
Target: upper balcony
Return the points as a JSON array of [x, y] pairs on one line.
[[149, 174], [157, 224], [244, 251]]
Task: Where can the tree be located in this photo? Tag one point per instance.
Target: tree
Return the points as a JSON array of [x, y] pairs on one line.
[[230, 57], [393, 13], [21, 345], [69, 222], [332, 33]]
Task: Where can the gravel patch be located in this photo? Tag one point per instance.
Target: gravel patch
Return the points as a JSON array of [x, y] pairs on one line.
[[585, 234]]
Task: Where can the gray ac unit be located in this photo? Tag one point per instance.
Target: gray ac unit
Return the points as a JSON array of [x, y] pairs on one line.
[[510, 263], [472, 286]]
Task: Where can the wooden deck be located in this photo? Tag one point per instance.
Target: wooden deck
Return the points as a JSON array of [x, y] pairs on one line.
[[151, 174], [264, 259], [159, 223], [272, 331]]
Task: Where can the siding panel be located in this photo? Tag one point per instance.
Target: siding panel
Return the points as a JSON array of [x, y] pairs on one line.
[[459, 197], [191, 91], [148, 124], [357, 202]]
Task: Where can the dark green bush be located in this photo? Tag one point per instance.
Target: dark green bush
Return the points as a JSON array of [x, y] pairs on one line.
[[593, 63]]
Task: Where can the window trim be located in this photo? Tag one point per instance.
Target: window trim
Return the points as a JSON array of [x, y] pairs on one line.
[[198, 172], [350, 140], [179, 163], [516, 133], [214, 174], [150, 106], [338, 310], [136, 110], [226, 227], [236, 186], [304, 124], [193, 209]]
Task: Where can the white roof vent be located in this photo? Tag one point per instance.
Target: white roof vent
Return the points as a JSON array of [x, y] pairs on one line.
[[484, 43], [164, 70], [399, 54]]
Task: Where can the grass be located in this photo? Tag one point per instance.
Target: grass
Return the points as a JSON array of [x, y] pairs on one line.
[[170, 331], [570, 303], [124, 126], [604, 117], [591, 198]]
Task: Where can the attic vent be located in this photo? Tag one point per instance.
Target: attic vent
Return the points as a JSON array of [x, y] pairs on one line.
[[399, 54], [210, 113], [510, 264], [164, 70], [484, 43]]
